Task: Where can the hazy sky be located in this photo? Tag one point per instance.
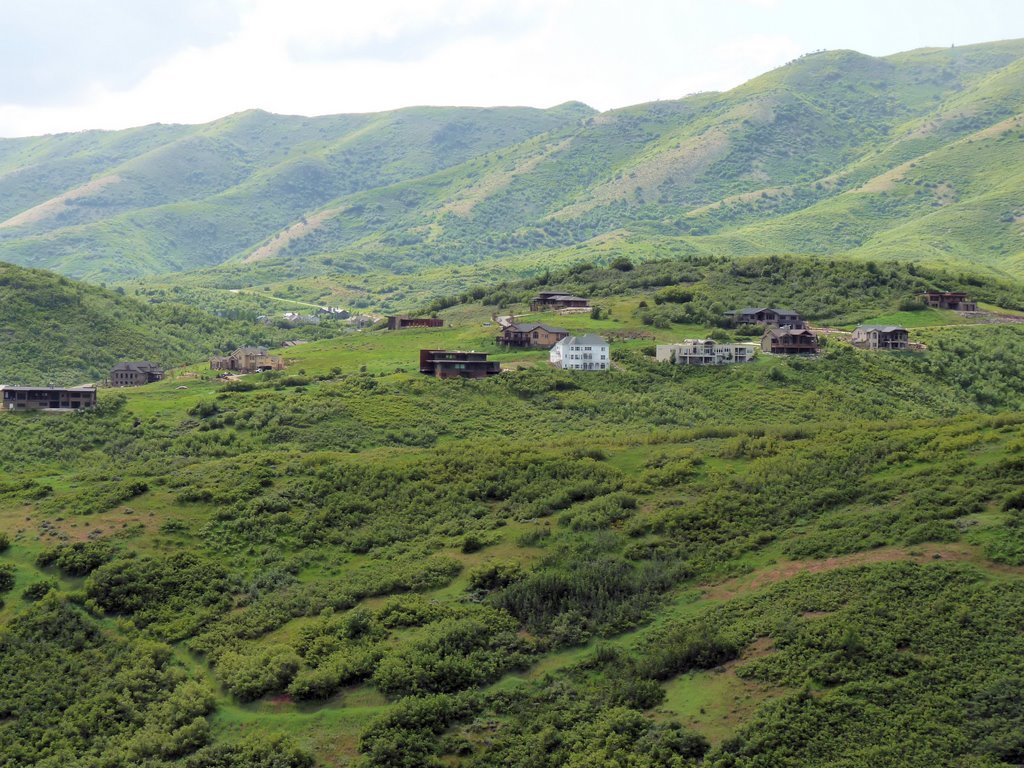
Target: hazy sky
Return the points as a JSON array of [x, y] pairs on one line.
[[67, 65]]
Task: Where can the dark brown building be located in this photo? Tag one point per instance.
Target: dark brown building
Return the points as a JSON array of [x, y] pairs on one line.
[[789, 341], [949, 300], [47, 398], [531, 335], [765, 316], [135, 374], [556, 300], [450, 364], [398, 322]]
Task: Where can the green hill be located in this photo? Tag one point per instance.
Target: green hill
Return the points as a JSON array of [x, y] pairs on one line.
[[55, 330], [915, 156]]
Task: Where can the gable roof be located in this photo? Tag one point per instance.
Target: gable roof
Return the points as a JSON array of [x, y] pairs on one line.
[[590, 338], [527, 327], [882, 328], [142, 366], [777, 332]]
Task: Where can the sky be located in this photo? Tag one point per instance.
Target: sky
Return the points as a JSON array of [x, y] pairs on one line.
[[70, 65]]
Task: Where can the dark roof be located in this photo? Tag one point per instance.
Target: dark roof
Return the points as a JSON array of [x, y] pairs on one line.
[[47, 389], [755, 310], [883, 328], [560, 297], [789, 331], [251, 351], [143, 366]]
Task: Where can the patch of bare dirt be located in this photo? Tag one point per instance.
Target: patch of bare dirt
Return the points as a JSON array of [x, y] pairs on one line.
[[764, 577], [55, 205]]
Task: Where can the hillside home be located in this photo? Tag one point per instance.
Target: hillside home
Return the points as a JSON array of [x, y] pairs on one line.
[[581, 353], [248, 360], [949, 300], [47, 398], [768, 316], [295, 318], [453, 364], [135, 374], [531, 335], [880, 337], [789, 341], [398, 322], [557, 300], [705, 352]]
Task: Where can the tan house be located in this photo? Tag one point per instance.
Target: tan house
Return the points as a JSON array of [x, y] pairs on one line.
[[881, 337], [248, 360], [531, 335]]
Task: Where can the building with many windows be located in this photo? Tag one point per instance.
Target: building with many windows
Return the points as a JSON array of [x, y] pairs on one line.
[[47, 398], [581, 353], [705, 352]]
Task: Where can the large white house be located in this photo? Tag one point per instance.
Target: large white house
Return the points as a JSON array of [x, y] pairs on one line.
[[581, 353], [705, 352]]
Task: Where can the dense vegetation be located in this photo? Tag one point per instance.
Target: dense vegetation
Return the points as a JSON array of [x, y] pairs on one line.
[[57, 331], [789, 562]]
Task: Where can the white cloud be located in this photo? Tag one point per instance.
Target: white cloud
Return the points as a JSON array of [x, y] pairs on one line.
[[325, 56]]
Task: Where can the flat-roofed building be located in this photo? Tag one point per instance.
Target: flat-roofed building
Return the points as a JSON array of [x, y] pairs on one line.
[[47, 398], [455, 364], [705, 352]]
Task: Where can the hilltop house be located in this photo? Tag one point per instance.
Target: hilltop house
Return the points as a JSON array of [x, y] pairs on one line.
[[581, 353], [768, 316], [557, 300], [789, 341], [47, 398], [949, 300], [295, 318], [454, 364], [135, 374], [531, 335], [705, 352], [248, 360], [880, 337], [398, 322]]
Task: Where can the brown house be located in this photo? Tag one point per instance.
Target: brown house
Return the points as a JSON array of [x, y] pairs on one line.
[[531, 335], [248, 360], [881, 337], [789, 341], [949, 300], [449, 364], [556, 300], [398, 322], [766, 316], [47, 398], [135, 374]]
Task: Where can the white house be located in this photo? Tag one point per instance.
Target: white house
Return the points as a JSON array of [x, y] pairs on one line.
[[581, 353], [705, 352]]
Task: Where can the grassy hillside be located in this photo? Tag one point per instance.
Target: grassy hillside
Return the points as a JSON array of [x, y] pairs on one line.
[[914, 156], [805, 562], [58, 331]]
